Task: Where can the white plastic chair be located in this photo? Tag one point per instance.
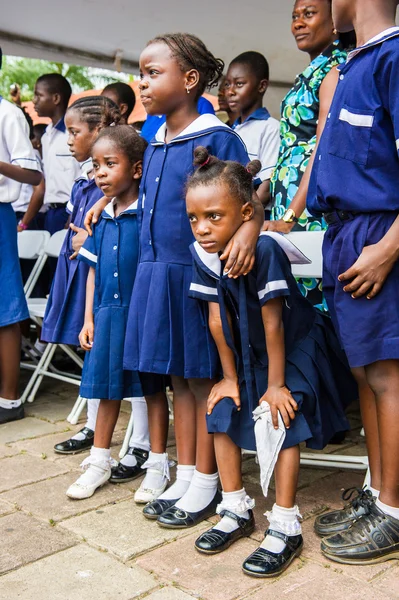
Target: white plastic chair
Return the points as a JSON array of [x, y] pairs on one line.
[[31, 246], [37, 308], [310, 243]]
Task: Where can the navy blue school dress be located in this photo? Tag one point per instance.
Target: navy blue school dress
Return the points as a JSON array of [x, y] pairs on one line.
[[65, 309], [167, 333], [317, 373], [113, 252], [355, 183]]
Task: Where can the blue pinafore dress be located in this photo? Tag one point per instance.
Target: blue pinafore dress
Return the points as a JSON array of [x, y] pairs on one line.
[[113, 252], [166, 332], [316, 371], [65, 308]]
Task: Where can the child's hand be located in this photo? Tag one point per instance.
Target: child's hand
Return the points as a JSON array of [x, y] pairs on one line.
[[86, 336], [280, 399], [94, 213], [240, 251], [77, 240], [227, 388], [369, 272]]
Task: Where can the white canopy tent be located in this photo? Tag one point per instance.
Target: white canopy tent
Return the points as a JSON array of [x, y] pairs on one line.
[[95, 32]]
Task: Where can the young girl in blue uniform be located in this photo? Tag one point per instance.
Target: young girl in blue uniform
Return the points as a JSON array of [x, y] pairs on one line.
[[354, 184], [112, 255], [275, 348], [166, 331]]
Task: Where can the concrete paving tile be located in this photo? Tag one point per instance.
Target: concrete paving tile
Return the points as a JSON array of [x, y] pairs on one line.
[[45, 445], [314, 582], [26, 428], [311, 551], [80, 572], [122, 530], [169, 593], [23, 469], [6, 508], [51, 407], [6, 450], [57, 506], [216, 577], [25, 539], [388, 584], [327, 493]]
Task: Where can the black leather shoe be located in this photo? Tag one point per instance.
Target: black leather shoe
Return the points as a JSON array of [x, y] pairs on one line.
[[122, 473], [372, 539], [175, 518], [75, 446], [155, 509], [214, 541], [11, 414], [263, 563], [340, 520]]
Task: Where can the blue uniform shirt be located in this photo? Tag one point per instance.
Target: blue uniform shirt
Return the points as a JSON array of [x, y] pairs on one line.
[[357, 164]]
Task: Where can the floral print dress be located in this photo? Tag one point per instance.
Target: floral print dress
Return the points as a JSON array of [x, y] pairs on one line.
[[299, 117]]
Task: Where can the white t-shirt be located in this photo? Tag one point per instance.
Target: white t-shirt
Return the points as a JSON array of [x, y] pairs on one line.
[[15, 148], [59, 166]]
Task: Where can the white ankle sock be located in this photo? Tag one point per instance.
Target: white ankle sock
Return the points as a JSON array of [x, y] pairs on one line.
[[4, 403], [96, 466], [92, 410], [40, 346], [236, 502], [201, 492], [140, 437], [376, 493], [392, 511], [284, 520], [184, 475], [129, 460], [157, 467]]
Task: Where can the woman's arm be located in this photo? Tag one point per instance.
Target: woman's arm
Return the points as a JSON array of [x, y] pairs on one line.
[[35, 204], [20, 174], [86, 336], [228, 386], [298, 204], [277, 395]]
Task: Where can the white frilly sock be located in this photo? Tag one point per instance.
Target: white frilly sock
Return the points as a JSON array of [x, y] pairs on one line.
[[284, 520], [201, 492], [95, 465], [236, 502], [157, 467]]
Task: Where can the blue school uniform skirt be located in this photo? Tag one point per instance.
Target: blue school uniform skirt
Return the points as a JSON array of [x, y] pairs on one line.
[[320, 382], [13, 307]]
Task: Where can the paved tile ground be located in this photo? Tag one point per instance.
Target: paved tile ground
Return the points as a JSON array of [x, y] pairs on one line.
[[54, 548]]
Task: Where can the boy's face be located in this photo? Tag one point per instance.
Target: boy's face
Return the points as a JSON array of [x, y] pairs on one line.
[[44, 101], [215, 215], [242, 88]]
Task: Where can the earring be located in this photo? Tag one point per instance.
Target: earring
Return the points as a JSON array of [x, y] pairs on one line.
[[335, 31], [187, 90]]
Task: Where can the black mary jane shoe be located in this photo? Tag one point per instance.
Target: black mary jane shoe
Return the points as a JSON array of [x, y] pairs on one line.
[[123, 474], [155, 509], [214, 541], [176, 518], [72, 446], [264, 563]]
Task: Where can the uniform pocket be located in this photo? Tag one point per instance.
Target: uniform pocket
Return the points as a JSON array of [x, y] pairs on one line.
[[352, 134]]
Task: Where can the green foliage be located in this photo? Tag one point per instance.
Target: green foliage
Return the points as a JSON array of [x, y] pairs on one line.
[[25, 71]]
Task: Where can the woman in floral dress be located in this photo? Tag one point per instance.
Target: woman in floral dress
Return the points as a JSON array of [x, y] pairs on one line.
[[303, 114]]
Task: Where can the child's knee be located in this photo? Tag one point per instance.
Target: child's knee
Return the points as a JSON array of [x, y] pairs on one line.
[[383, 376]]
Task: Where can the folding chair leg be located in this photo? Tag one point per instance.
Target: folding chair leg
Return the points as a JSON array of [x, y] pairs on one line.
[[48, 352], [41, 371], [75, 413], [128, 435]]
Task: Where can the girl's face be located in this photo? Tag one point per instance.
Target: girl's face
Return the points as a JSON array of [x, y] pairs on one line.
[[312, 26], [114, 174], [215, 215], [80, 138], [163, 85]]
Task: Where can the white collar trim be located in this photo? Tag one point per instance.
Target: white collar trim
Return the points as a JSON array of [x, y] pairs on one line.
[[110, 208], [201, 123], [212, 261], [386, 34]]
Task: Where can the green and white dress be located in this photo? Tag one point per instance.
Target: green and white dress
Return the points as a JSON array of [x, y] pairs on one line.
[[299, 117]]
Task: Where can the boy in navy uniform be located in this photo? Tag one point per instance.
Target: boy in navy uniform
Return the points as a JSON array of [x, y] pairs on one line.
[[355, 184]]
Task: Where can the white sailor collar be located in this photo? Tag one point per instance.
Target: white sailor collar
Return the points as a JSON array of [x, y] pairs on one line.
[[200, 126], [213, 264], [378, 39], [86, 166], [109, 210]]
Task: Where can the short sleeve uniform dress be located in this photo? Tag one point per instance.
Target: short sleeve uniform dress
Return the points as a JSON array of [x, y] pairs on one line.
[[317, 373], [65, 308], [167, 331], [113, 252]]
